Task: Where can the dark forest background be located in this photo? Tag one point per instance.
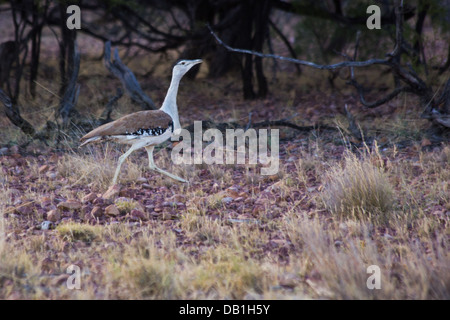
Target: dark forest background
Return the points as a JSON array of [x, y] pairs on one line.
[[326, 32]]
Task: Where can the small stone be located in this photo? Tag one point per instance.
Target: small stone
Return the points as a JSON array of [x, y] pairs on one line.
[[274, 242], [227, 200], [128, 193], [112, 210], [112, 192], [70, 205], [146, 186], [53, 215], [289, 280], [96, 211], [138, 214], [47, 225], [155, 214], [25, 210], [141, 180], [169, 204], [89, 197], [338, 243], [177, 198], [232, 192], [51, 175], [3, 151]]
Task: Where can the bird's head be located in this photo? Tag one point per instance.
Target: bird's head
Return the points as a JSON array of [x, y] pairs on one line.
[[183, 66]]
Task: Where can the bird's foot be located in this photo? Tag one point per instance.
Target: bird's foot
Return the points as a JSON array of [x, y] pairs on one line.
[[177, 178]]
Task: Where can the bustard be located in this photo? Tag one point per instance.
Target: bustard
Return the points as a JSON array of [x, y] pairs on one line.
[[146, 129]]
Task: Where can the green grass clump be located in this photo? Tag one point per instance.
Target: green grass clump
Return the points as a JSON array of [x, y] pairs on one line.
[[125, 205], [79, 232]]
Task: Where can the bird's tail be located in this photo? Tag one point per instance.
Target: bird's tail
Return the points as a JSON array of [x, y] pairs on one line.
[[93, 139]]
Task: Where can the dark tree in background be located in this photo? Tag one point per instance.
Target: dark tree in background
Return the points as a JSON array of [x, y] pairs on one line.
[[325, 30], [172, 24]]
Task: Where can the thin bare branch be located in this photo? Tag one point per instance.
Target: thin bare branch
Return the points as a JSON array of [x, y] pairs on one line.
[[304, 62], [111, 103], [285, 41], [378, 102], [13, 114], [353, 128]]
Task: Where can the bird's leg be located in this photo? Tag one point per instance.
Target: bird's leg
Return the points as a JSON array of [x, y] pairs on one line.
[[122, 158], [154, 167], [170, 175]]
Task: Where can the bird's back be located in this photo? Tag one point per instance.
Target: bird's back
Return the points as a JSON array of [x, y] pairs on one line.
[[149, 123]]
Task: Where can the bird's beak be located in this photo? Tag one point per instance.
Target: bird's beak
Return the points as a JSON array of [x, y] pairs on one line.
[[194, 62]]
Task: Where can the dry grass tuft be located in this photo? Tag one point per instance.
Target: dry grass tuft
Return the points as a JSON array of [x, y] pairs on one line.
[[153, 278], [358, 188], [97, 168], [223, 274], [126, 205], [79, 232]]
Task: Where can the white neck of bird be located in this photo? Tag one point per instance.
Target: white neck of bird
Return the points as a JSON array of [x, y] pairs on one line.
[[169, 105]]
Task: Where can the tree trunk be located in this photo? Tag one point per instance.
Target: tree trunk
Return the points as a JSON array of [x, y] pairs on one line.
[[35, 48], [261, 34], [66, 50]]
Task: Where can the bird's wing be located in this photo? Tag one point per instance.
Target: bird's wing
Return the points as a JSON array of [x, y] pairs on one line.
[[132, 123]]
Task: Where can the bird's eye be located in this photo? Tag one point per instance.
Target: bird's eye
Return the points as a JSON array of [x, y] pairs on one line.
[[183, 63]]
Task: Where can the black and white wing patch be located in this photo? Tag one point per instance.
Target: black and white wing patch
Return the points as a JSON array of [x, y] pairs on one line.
[[155, 131]]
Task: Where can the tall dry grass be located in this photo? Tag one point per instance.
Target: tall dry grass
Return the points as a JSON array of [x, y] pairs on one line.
[[359, 189], [96, 168]]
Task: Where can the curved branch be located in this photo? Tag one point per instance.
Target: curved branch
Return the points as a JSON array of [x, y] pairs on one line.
[[126, 76], [378, 102], [339, 65], [285, 41], [13, 114]]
